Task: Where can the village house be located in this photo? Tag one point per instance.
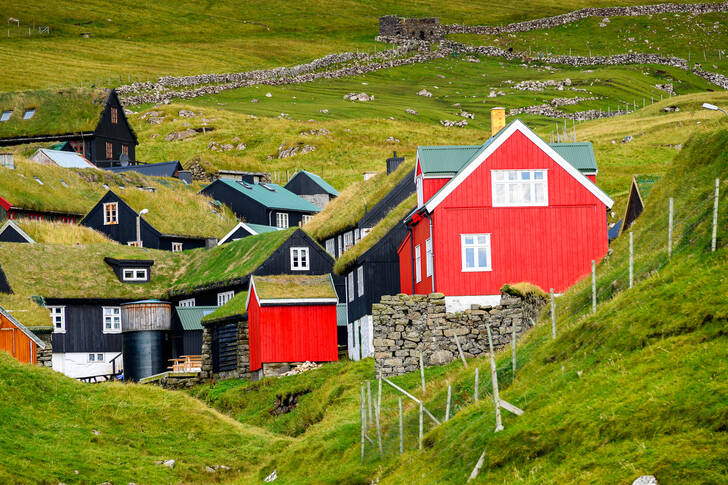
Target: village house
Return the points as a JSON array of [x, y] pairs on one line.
[[65, 159], [312, 187], [91, 121], [245, 229], [512, 209], [11, 232], [262, 203], [11, 211], [18, 340], [171, 169]]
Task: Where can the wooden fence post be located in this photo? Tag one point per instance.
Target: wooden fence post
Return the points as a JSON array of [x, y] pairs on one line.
[[631, 259], [363, 422], [422, 374], [513, 343], [476, 384], [553, 315], [447, 406], [370, 415], [401, 438], [478, 466], [377, 412], [460, 350], [594, 286], [669, 228], [714, 239], [421, 424], [494, 378]]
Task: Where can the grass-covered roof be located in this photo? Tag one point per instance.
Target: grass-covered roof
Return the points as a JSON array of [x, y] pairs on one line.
[[61, 233], [348, 260], [345, 211], [236, 306], [57, 111], [294, 287]]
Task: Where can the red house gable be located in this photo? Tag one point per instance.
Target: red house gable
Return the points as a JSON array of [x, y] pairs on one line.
[[545, 226]]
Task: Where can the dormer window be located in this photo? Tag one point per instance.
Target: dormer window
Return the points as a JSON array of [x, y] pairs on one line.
[[5, 116], [131, 270], [134, 274]]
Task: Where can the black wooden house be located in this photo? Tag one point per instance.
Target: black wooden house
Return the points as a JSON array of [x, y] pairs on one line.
[[118, 220], [92, 121], [312, 187]]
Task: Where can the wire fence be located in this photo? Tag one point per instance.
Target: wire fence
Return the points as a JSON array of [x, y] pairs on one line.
[[396, 419]]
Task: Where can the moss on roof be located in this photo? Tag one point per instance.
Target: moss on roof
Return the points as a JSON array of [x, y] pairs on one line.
[[345, 211], [523, 290], [294, 286], [236, 306], [348, 260], [61, 233], [25, 310], [71, 110]]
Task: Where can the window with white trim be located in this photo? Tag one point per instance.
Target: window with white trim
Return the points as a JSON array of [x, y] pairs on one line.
[[306, 218], [281, 220], [58, 318], [111, 213], [95, 358], [357, 236], [365, 231], [331, 247], [176, 247], [341, 245], [134, 274], [224, 297], [418, 264], [420, 193], [348, 240], [112, 319], [299, 259], [5, 116], [136, 244], [475, 252], [187, 303], [360, 281], [428, 259], [519, 188], [350, 286]]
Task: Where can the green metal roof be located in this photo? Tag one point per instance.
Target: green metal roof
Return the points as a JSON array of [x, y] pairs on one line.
[[445, 160], [191, 316], [579, 154], [322, 183], [275, 198], [261, 228]]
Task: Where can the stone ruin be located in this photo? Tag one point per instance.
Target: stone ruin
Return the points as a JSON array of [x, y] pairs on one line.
[[427, 29]]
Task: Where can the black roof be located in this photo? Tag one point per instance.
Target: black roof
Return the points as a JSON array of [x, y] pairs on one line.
[[162, 169], [399, 192]]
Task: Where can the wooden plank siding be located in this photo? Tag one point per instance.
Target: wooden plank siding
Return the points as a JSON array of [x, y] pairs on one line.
[[16, 343]]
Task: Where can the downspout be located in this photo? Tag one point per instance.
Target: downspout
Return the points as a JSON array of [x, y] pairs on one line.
[[432, 249], [412, 257]]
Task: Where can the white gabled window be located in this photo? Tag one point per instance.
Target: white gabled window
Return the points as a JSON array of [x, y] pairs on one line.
[[111, 213], [224, 297], [348, 240], [176, 247], [58, 318], [187, 303], [350, 286], [420, 193], [331, 247], [475, 252], [428, 252], [134, 274], [299, 259], [306, 219], [112, 319], [281, 220], [360, 281], [519, 188], [418, 264]]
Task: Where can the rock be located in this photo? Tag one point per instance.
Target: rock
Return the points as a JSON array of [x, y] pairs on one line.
[[465, 114], [224, 467], [324, 111], [180, 135], [458, 124], [410, 111], [153, 114], [209, 469], [424, 92], [670, 109], [284, 152], [283, 116], [235, 140], [128, 112], [268, 95], [96, 432], [646, 480], [183, 113], [241, 147], [299, 369], [155, 121], [254, 100], [227, 147], [315, 132], [392, 139], [169, 463], [359, 97], [441, 357], [472, 59]]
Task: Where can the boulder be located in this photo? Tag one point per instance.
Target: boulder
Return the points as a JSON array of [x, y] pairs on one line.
[[424, 92], [646, 480], [183, 113], [441, 357], [180, 135]]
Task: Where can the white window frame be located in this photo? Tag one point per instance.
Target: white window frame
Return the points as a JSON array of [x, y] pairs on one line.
[[364, 231], [281, 220], [350, 286], [331, 247], [357, 236], [348, 240], [58, 312], [189, 302], [512, 182], [299, 256], [137, 274], [135, 244], [306, 218], [420, 191], [224, 297], [360, 281], [475, 246], [428, 259], [418, 264], [110, 310], [5, 115], [108, 207], [176, 247]]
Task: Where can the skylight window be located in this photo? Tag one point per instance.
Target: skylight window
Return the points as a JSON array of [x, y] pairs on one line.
[[63, 182], [5, 116], [106, 187], [244, 184], [38, 180], [28, 113], [268, 187]]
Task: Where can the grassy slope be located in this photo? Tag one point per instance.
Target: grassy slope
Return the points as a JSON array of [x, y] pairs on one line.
[[60, 233], [138, 40], [641, 391], [55, 429]]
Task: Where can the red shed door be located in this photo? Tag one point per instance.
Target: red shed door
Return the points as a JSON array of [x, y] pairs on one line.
[[7, 341]]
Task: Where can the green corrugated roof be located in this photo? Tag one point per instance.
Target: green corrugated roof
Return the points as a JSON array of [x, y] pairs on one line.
[[277, 198], [579, 154], [645, 184], [261, 228], [445, 160], [191, 316], [322, 183]]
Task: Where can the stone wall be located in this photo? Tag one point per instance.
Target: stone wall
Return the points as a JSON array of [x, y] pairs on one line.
[[405, 325], [320, 200], [243, 366], [45, 356], [426, 28]]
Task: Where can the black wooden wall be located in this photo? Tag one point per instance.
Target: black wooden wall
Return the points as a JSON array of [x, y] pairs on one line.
[[243, 206], [118, 134], [239, 233], [634, 208], [125, 230], [11, 235], [84, 327], [302, 184], [225, 347], [4, 285]]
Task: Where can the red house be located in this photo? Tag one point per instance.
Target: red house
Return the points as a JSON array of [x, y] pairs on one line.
[[17, 340], [291, 318], [513, 209]]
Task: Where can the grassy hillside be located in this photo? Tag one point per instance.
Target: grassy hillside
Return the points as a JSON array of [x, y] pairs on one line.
[[55, 429], [139, 40]]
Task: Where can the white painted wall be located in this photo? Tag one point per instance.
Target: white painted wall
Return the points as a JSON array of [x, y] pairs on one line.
[[76, 364], [455, 304]]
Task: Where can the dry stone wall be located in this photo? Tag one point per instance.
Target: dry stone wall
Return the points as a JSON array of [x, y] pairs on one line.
[[405, 325]]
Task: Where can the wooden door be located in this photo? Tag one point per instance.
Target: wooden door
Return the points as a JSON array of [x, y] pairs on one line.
[[7, 341]]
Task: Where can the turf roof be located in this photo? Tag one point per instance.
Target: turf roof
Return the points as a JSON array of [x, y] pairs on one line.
[[294, 287], [645, 184], [236, 306], [70, 110]]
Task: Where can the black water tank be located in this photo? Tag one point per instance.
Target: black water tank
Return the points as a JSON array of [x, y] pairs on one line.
[[143, 354]]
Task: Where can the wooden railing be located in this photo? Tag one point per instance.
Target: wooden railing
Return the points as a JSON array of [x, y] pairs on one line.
[[186, 363]]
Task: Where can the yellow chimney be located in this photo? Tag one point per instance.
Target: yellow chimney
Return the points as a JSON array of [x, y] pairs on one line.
[[497, 120]]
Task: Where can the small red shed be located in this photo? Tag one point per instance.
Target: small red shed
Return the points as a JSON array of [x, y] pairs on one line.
[[291, 318], [17, 340]]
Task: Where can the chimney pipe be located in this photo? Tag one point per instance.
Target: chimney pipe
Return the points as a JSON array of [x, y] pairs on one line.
[[497, 120]]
